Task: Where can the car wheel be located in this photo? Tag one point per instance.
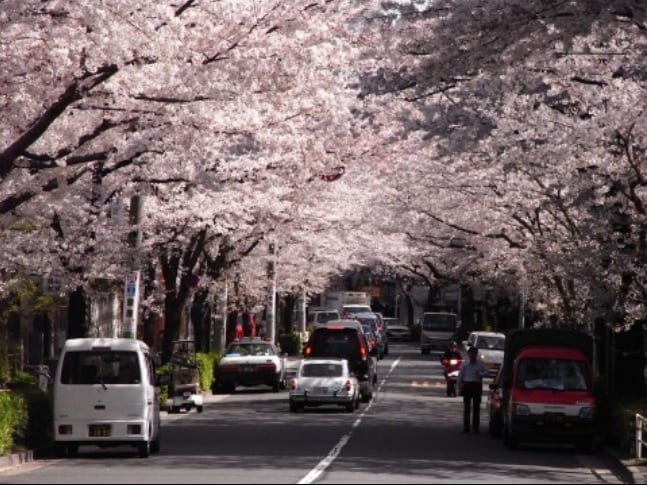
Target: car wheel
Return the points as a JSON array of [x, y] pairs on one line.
[[350, 407], [200, 408], [294, 407], [276, 387]]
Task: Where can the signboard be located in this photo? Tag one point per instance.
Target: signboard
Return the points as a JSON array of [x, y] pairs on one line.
[[131, 305]]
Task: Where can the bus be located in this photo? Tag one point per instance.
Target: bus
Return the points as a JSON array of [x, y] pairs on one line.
[[437, 330]]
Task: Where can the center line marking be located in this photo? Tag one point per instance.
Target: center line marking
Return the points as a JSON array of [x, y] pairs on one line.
[[334, 453]]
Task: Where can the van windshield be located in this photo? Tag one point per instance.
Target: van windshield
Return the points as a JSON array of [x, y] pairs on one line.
[[100, 367], [553, 374], [442, 322]]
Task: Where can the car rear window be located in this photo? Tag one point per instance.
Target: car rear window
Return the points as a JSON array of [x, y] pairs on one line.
[[335, 342], [322, 370]]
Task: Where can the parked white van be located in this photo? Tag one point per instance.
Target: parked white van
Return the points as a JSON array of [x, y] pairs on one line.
[[106, 394]]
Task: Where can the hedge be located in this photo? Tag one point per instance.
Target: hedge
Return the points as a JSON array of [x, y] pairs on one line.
[[13, 420]]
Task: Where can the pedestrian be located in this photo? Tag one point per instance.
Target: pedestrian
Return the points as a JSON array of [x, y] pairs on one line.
[[470, 386]]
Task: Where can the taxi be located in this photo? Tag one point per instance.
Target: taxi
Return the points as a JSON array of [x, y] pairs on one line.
[[250, 362]]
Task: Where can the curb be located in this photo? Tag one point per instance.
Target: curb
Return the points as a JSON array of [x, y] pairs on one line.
[[16, 459], [629, 471]]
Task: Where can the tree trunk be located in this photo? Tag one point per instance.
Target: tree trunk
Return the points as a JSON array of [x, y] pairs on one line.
[[77, 314], [172, 319], [201, 317], [288, 310]]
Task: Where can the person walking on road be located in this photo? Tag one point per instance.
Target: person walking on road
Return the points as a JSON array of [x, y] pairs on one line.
[[470, 386]]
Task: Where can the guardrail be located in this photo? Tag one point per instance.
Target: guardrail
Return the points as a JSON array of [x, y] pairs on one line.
[[639, 435]]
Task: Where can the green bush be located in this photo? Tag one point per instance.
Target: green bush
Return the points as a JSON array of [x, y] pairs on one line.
[[291, 343], [22, 379], [206, 363], [13, 420]]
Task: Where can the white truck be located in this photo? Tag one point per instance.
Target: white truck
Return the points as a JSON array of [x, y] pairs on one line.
[[347, 300]]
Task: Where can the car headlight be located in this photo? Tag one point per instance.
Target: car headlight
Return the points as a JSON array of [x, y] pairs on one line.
[[521, 409], [586, 412]]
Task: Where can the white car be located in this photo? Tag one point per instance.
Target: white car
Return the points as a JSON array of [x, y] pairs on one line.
[[250, 362], [324, 381], [490, 346]]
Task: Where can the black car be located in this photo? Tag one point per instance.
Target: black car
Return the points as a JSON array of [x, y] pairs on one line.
[[345, 339]]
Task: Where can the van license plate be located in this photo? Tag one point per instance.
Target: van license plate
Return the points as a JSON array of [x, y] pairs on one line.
[[100, 430], [554, 417]]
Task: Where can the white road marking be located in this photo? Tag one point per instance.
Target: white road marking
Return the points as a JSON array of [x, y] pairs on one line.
[[334, 453]]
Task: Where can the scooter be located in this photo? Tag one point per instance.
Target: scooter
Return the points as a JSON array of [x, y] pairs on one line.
[[450, 371]]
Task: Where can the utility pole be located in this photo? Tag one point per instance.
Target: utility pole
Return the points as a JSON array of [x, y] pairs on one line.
[[304, 303], [522, 308], [271, 304], [132, 285]]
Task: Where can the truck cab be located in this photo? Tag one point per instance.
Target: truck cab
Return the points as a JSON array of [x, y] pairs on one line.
[[547, 388]]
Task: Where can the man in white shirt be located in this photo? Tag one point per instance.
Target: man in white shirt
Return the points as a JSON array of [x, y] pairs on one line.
[[470, 386]]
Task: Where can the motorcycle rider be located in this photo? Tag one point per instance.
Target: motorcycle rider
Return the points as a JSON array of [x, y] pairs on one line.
[[451, 353]]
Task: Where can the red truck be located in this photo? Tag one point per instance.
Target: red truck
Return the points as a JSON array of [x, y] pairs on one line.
[[547, 388]]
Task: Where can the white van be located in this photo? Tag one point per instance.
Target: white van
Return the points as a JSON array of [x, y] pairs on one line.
[[106, 394]]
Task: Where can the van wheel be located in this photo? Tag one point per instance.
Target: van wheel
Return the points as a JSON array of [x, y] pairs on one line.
[[367, 397], [199, 408], [145, 449], [276, 387]]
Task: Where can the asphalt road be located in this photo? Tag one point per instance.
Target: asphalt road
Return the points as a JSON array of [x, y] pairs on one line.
[[410, 433]]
